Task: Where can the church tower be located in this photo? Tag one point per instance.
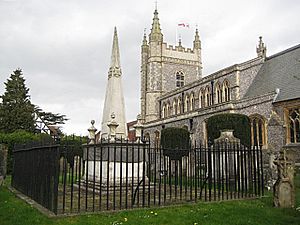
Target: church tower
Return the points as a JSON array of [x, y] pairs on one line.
[[114, 98], [165, 68]]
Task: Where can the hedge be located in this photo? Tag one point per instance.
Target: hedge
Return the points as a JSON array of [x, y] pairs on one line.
[[17, 137], [175, 142], [237, 122]]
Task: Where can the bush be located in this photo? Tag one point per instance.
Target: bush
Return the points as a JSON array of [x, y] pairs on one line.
[[18, 137], [175, 142], [237, 122]]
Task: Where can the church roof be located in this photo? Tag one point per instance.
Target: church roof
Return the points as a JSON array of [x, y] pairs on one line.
[[280, 71]]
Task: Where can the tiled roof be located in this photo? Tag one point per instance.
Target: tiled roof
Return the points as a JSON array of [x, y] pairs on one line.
[[281, 71]]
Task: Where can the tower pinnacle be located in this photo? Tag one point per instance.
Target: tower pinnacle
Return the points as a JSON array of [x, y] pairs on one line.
[[261, 49], [197, 42], [155, 34], [145, 38]]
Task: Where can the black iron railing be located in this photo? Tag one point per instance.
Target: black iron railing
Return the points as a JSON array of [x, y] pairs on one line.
[[114, 175]]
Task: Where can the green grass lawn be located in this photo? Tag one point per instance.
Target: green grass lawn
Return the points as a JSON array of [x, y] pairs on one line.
[[260, 211]]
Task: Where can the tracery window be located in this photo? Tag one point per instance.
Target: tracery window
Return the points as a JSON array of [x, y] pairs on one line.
[[179, 106], [168, 110], [201, 98], [156, 139], [174, 107], [186, 103], [179, 79], [294, 125], [258, 131], [192, 102], [207, 100], [218, 93], [164, 112], [226, 91]]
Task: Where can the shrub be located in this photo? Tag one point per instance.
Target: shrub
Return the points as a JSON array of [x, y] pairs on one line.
[[18, 137], [237, 122], [175, 142]]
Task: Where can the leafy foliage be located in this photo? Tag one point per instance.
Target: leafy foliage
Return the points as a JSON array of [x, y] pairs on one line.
[[16, 110], [18, 137], [237, 122], [50, 118], [74, 144], [175, 142]]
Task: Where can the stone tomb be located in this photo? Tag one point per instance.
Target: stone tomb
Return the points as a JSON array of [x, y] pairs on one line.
[[115, 163]]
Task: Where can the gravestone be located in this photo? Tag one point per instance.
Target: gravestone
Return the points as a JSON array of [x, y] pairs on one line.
[[227, 138], [3, 163], [284, 188]]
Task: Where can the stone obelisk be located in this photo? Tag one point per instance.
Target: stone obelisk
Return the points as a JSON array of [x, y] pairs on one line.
[[114, 98]]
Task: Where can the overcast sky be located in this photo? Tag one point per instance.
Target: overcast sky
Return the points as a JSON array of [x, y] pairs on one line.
[[64, 47]]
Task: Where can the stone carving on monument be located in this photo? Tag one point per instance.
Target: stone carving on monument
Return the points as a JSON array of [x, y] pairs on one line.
[[284, 189]]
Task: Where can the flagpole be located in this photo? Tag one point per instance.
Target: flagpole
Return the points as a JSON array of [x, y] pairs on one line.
[[176, 32]]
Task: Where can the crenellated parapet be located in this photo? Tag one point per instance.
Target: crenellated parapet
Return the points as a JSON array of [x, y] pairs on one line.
[[165, 67]]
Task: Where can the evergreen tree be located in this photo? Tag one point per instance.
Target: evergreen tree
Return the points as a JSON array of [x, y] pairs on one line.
[[16, 110]]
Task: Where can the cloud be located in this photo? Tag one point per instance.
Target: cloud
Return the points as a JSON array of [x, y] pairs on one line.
[[64, 47]]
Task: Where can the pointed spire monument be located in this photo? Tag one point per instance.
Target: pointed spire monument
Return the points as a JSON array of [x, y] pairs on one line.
[[114, 98]]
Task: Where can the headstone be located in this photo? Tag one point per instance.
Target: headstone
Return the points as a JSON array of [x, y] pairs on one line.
[[284, 188], [227, 136], [3, 163]]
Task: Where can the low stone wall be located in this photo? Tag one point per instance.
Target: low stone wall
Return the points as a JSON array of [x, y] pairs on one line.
[[3, 162]]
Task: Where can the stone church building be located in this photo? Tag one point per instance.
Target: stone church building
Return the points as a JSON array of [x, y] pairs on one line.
[[174, 92]]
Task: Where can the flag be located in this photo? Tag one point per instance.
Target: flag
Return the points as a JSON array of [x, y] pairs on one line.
[[184, 25]]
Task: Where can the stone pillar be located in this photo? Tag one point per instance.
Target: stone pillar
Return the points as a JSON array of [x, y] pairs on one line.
[[3, 163], [112, 127], [284, 187], [138, 129], [92, 133]]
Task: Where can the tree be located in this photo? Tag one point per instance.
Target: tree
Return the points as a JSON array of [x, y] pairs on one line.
[[16, 110], [238, 122], [50, 118], [175, 142]]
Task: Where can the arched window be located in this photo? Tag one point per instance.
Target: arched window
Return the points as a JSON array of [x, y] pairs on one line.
[[192, 102], [147, 137], [218, 93], [207, 96], [168, 109], [294, 125], [164, 112], [186, 103], [174, 107], [179, 106], [201, 98], [226, 91], [258, 131], [156, 139], [179, 79]]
